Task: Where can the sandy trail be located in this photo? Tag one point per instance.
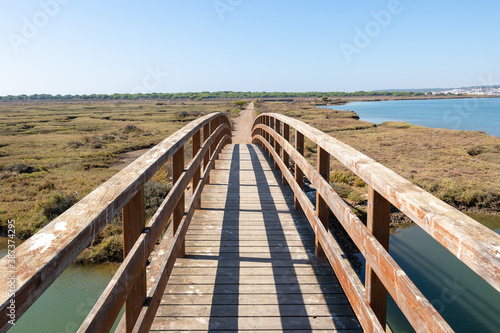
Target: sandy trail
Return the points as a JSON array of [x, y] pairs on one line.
[[242, 132]]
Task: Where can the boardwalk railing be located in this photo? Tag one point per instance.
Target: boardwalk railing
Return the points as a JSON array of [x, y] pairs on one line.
[[42, 258], [475, 245]]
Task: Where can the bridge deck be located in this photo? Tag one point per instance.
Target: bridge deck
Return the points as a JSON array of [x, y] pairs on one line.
[[249, 263]]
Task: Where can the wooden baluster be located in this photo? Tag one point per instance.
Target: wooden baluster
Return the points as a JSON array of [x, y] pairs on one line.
[[379, 216], [321, 206], [271, 140], [177, 170], [286, 157], [213, 127], [277, 149], [268, 122], [134, 221], [218, 122], [196, 144], [299, 175], [206, 159]]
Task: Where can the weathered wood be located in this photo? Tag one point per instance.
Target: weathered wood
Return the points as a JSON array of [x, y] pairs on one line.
[[286, 158], [393, 277], [297, 288], [111, 301], [299, 175], [175, 248], [56, 246], [379, 218], [206, 135], [351, 284], [196, 144], [471, 242], [177, 170], [321, 207], [277, 128], [134, 221]]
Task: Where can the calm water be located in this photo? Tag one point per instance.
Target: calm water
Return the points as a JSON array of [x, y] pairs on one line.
[[465, 301], [64, 306], [469, 114]]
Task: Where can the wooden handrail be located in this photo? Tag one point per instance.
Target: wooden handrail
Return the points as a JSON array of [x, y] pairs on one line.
[[43, 257], [385, 186]]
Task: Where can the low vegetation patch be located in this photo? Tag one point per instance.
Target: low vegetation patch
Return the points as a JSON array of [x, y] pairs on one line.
[[52, 149]]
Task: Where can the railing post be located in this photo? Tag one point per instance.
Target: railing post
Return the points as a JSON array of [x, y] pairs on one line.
[[266, 122], [286, 158], [378, 221], [206, 159], [134, 221], [299, 175], [177, 170], [196, 144], [277, 148], [271, 140], [321, 206]]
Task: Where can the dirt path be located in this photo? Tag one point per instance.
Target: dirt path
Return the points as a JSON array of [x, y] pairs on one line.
[[242, 132], [127, 158]]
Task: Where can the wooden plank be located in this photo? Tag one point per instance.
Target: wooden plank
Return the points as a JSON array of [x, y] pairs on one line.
[[248, 289], [226, 324], [254, 299], [379, 218], [262, 310], [134, 221], [240, 256]]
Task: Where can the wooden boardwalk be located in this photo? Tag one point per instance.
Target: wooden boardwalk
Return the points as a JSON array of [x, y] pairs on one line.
[[249, 263]]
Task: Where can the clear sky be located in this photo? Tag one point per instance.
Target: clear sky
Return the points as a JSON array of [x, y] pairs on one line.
[[90, 46]]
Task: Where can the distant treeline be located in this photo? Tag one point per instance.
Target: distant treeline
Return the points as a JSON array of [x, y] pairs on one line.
[[208, 95]]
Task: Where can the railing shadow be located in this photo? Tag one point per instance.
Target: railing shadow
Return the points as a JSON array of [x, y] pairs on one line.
[[279, 250], [228, 293]]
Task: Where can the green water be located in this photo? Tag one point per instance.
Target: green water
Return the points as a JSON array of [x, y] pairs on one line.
[[463, 299], [64, 306]]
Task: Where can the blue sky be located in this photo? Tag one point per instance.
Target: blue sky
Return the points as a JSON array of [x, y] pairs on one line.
[[85, 47]]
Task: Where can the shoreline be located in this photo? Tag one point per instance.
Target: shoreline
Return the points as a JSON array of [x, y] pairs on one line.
[[331, 106]]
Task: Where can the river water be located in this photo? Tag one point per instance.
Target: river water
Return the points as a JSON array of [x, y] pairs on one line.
[[468, 114], [64, 306], [465, 300]]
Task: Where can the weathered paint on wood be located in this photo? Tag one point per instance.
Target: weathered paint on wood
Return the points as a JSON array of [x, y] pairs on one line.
[[379, 211], [263, 285], [471, 242], [322, 211], [299, 175], [43, 257], [109, 304], [134, 221]]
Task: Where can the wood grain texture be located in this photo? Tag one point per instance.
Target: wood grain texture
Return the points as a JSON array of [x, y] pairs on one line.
[[249, 262], [471, 242], [43, 257], [417, 309]]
